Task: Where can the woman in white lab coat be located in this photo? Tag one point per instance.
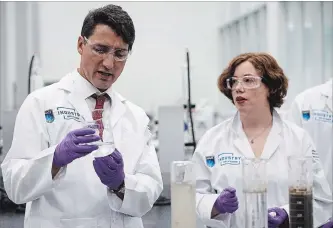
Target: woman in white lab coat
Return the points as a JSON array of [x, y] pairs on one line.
[[256, 85]]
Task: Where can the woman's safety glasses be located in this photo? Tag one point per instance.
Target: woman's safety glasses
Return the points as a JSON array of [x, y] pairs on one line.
[[248, 82], [119, 54]]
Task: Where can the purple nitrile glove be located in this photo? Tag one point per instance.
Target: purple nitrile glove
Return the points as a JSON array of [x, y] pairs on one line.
[[227, 201], [280, 216], [110, 169], [328, 225], [71, 148]]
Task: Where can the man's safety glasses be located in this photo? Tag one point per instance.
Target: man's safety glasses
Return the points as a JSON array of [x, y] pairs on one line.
[[103, 51]]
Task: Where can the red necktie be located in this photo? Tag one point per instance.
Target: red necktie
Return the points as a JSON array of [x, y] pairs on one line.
[[98, 114]]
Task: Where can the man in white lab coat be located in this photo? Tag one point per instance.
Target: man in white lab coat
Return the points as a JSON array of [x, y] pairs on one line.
[[256, 84], [312, 110], [53, 164]]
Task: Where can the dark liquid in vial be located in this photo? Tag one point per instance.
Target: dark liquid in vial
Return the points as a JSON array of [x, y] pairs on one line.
[[300, 208]]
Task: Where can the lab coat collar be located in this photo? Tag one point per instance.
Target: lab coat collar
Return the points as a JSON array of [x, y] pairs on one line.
[[272, 142], [327, 89], [79, 89]]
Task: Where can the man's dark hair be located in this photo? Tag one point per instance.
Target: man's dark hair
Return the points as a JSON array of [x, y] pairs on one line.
[[114, 17]]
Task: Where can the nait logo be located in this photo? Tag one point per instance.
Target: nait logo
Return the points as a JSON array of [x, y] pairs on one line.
[[210, 161], [306, 115], [49, 117]]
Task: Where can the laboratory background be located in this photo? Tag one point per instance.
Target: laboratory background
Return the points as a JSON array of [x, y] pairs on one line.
[[180, 50]]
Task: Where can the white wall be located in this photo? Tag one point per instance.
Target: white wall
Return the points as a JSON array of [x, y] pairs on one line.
[[153, 75], [234, 10]]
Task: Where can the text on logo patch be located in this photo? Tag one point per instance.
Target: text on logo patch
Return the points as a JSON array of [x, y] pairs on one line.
[[228, 159], [68, 113]]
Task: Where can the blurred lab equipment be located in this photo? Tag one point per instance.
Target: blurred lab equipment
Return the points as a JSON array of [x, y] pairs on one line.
[[255, 192], [190, 139], [203, 117], [35, 79], [170, 142], [1, 140], [300, 192], [183, 202], [32, 81]]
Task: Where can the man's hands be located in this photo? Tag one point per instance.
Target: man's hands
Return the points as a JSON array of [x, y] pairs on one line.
[[110, 169], [73, 146]]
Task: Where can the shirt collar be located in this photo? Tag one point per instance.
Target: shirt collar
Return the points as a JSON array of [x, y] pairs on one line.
[[86, 89]]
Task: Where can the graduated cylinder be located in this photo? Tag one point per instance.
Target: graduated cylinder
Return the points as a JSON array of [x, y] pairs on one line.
[[300, 192], [255, 192], [183, 194]]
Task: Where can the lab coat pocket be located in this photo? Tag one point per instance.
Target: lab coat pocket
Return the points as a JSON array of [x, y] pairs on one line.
[[132, 222], [84, 223]]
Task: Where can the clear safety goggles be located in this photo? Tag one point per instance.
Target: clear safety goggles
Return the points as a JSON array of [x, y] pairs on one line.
[[103, 51], [248, 82]]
